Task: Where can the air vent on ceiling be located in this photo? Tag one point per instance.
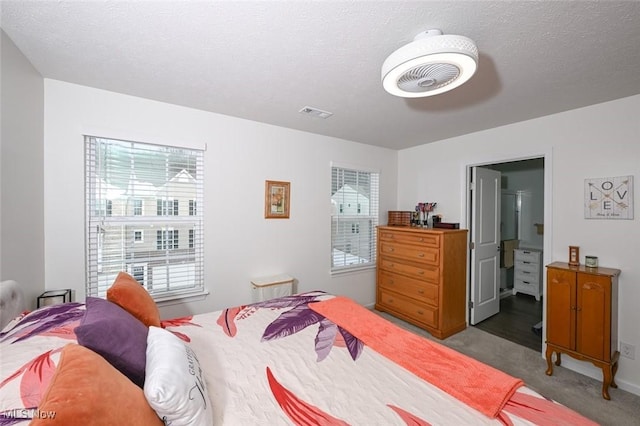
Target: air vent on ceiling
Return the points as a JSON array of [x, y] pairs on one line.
[[315, 112]]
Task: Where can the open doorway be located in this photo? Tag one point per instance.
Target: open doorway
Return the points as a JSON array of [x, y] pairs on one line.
[[516, 209]]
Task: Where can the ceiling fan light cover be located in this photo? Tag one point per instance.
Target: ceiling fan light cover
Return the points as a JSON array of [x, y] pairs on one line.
[[432, 64]]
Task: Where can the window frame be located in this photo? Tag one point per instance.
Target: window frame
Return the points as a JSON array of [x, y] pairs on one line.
[[183, 280], [340, 209], [138, 231]]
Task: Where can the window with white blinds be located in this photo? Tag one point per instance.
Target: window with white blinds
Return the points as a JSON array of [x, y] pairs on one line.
[[141, 216], [354, 217]]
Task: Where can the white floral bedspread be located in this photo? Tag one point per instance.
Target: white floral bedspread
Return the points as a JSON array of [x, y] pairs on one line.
[[271, 363]]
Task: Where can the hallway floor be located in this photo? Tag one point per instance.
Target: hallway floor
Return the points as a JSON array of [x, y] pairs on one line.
[[518, 314]]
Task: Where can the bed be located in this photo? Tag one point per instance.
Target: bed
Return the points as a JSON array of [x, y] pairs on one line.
[[307, 359]]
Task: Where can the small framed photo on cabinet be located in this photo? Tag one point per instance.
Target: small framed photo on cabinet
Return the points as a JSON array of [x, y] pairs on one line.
[[574, 256]]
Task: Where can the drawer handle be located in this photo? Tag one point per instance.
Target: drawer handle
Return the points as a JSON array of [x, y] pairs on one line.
[[391, 282], [421, 239], [420, 312], [525, 272], [526, 282], [391, 265], [421, 291], [389, 300], [421, 272], [421, 255], [390, 249], [526, 252], [525, 262]]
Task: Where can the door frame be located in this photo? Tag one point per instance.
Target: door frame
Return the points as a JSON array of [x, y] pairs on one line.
[[547, 255]]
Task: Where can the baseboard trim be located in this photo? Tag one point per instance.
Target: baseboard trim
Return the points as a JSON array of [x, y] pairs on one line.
[[596, 373]]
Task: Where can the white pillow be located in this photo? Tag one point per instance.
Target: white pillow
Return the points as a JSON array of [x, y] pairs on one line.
[[174, 382]]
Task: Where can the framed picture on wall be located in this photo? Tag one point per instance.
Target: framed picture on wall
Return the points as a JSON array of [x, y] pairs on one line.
[[276, 199], [608, 198]]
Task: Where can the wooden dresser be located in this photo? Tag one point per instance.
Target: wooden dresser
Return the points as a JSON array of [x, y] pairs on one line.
[[421, 277], [582, 317]]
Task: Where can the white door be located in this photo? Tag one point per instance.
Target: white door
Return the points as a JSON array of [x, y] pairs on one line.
[[485, 243]]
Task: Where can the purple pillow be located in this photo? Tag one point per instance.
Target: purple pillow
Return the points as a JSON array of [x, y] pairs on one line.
[[118, 336]]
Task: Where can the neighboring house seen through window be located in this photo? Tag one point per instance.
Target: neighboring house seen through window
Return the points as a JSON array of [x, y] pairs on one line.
[[354, 217], [167, 207], [137, 216], [137, 207]]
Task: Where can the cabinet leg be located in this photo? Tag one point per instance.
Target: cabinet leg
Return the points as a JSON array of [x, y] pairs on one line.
[[614, 370], [558, 359], [548, 355], [607, 375]]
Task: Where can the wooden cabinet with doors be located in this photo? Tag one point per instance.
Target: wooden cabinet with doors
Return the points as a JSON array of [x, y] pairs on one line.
[[582, 317], [421, 277]]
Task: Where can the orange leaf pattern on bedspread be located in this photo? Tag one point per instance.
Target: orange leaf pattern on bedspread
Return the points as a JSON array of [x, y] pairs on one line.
[[227, 320], [408, 418], [178, 322], [541, 412], [65, 331], [300, 412], [36, 375]]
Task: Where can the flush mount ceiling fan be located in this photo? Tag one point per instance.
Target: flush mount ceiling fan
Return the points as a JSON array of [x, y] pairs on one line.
[[431, 64]]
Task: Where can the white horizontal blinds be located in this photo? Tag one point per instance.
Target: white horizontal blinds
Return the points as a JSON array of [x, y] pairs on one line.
[[144, 214], [354, 217]]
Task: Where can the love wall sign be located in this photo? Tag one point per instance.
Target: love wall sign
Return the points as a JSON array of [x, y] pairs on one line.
[[608, 198]]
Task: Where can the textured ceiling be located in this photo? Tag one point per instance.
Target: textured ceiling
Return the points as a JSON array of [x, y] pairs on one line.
[[265, 60]]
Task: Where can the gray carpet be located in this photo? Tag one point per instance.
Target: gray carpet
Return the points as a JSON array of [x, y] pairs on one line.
[[581, 393]]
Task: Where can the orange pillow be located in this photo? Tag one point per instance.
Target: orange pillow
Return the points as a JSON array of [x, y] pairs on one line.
[[85, 389], [127, 293]]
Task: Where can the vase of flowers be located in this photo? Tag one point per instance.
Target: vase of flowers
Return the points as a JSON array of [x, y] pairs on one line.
[[423, 210]]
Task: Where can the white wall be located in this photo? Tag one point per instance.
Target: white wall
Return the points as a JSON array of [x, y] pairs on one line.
[[21, 172], [596, 141], [239, 243]]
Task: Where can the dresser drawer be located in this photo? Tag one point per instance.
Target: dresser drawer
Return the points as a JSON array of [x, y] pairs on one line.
[[526, 256], [425, 314], [532, 268], [408, 252], [409, 287], [426, 272], [429, 240], [531, 286], [527, 275]]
